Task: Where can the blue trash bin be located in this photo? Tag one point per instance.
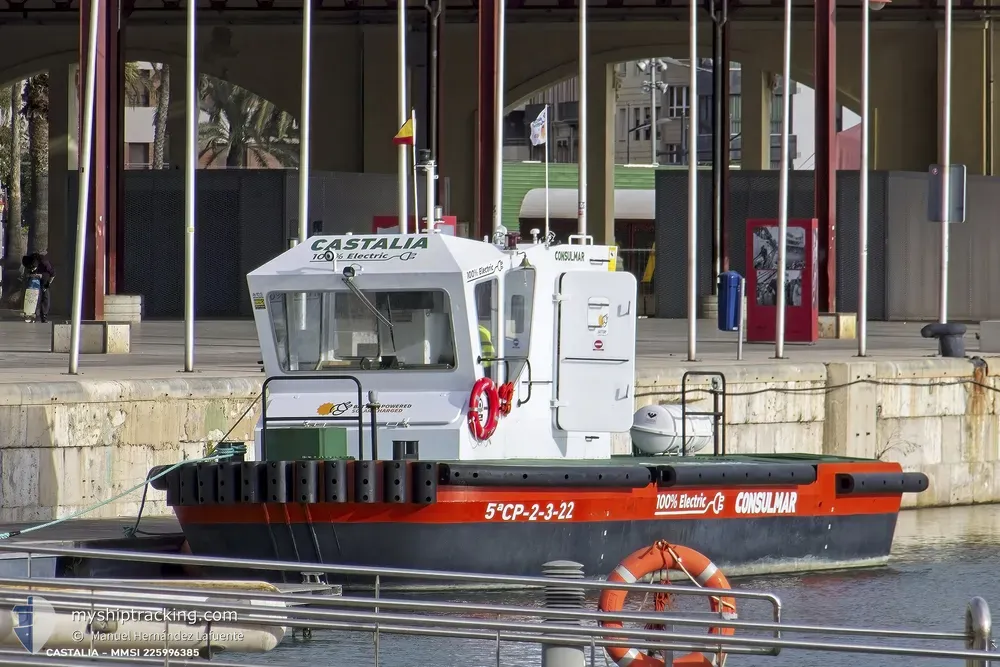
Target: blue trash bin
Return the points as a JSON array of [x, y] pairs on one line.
[[730, 303]]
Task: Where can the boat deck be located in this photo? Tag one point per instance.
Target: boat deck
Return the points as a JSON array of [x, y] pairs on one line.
[[699, 459]]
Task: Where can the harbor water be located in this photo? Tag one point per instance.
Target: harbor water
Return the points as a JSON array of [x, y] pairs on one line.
[[941, 558]]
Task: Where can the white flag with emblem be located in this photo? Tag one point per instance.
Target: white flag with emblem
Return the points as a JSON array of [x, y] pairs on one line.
[[538, 127]]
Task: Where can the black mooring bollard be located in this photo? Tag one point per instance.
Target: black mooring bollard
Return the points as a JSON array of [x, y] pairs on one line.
[[950, 335]]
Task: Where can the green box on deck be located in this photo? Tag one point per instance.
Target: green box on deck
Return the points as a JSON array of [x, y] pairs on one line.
[[291, 444]]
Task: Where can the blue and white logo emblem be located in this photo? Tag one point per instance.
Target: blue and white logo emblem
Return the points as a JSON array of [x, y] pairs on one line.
[[34, 623]]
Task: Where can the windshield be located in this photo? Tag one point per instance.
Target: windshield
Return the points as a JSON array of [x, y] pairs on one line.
[[337, 331]]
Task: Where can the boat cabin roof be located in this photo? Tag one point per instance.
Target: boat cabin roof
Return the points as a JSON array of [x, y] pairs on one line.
[[384, 254]]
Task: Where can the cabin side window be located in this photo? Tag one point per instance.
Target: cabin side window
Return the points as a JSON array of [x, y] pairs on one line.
[[519, 291], [369, 331], [487, 320], [296, 318]]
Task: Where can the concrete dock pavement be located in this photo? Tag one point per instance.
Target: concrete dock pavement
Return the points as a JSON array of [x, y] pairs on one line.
[[223, 348], [72, 442], [228, 348]]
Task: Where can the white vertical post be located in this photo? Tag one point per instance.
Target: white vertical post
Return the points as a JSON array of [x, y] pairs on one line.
[[863, 198], [190, 193], [413, 153], [305, 122], [743, 319], [83, 200], [498, 113], [404, 115], [786, 81], [653, 62], [546, 172], [945, 162], [581, 211], [692, 254], [431, 176]]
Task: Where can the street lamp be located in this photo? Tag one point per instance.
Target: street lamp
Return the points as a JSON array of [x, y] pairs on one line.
[[651, 86]]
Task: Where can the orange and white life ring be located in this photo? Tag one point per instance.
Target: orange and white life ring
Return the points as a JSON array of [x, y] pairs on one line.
[[482, 429], [506, 393], [649, 562]]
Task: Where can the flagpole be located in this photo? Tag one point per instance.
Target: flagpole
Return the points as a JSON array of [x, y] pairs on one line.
[[306, 125], [786, 78], [581, 213], [403, 111], [862, 317], [692, 154], [546, 172], [84, 188], [413, 153], [501, 8]]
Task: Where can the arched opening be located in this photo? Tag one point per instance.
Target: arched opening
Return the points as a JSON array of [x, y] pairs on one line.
[[237, 128]]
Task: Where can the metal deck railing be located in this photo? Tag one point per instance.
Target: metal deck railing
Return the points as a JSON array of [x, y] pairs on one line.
[[498, 623]]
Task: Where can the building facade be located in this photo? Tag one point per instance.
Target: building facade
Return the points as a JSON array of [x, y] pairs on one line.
[[660, 83]]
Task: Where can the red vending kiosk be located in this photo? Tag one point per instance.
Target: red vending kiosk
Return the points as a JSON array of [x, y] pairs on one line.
[[801, 280], [389, 224]]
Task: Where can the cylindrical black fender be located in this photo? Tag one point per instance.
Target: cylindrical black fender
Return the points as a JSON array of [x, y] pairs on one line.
[[425, 482], [188, 492], [252, 486], [366, 482], [736, 474], [336, 481], [880, 483], [276, 476], [228, 482], [395, 481], [208, 482], [160, 483], [305, 484], [472, 474]]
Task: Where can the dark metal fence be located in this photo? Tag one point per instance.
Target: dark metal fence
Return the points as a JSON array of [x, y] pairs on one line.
[[754, 194]]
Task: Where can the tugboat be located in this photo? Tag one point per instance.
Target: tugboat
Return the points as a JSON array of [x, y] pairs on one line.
[[436, 402]]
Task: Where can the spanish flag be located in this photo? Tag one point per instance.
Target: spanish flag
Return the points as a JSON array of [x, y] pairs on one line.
[[405, 135]]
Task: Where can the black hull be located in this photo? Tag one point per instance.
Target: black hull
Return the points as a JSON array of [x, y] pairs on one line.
[[738, 546]]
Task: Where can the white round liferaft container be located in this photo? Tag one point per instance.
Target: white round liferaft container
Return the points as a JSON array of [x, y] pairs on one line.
[[656, 429]]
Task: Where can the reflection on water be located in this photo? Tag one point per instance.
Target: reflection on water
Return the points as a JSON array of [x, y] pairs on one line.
[[941, 558]]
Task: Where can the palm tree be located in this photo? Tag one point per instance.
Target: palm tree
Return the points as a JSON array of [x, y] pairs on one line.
[[17, 239], [160, 116], [36, 110], [136, 84], [241, 124]]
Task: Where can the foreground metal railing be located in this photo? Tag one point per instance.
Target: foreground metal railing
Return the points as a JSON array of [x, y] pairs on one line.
[[498, 623]]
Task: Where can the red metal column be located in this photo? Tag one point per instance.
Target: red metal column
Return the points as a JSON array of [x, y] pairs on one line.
[[94, 264], [116, 144], [825, 53], [487, 125]]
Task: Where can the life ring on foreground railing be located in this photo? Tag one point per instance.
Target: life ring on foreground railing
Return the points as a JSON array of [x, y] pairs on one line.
[[506, 393], [483, 429], [647, 563]]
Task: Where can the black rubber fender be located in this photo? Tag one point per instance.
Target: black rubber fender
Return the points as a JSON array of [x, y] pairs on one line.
[[612, 476], [336, 481], [305, 483], [425, 482], [160, 483], [736, 474], [367, 487], [880, 483]]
